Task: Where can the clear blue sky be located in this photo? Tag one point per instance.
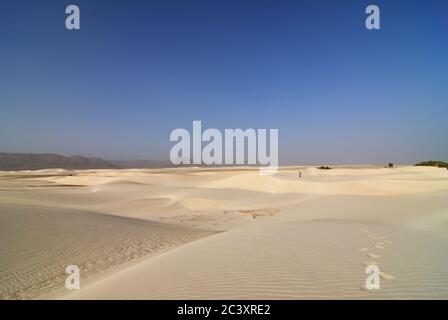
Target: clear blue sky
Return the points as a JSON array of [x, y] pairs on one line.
[[136, 70]]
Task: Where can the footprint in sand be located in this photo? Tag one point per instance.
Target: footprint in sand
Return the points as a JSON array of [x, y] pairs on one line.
[[386, 276], [367, 290], [379, 245], [373, 256]]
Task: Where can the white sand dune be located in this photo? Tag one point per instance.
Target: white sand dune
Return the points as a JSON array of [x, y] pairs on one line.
[[38, 243], [310, 260], [282, 237]]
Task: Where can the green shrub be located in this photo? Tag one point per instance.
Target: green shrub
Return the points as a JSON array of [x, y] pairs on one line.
[[432, 163]]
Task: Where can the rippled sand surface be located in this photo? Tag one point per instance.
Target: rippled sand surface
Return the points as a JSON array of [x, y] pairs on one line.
[[195, 233]]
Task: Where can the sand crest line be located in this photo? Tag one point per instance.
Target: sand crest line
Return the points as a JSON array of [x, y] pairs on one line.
[[280, 237]]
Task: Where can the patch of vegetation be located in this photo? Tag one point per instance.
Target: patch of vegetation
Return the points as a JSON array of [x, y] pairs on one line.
[[438, 164], [324, 167], [390, 165]]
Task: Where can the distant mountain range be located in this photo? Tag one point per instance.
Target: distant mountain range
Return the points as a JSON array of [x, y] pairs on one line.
[[34, 161], [141, 164]]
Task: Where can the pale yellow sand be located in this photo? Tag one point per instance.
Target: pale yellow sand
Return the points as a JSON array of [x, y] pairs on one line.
[[38, 243], [310, 260], [282, 237]]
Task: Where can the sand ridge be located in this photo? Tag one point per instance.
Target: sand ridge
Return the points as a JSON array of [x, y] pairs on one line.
[[279, 236]]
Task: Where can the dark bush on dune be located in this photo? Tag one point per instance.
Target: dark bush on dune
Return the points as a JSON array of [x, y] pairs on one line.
[[324, 167], [432, 163]]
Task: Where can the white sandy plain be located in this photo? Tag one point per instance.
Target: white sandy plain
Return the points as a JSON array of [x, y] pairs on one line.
[[220, 233]]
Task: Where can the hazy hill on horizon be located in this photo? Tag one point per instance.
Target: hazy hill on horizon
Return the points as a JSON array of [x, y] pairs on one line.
[[141, 164], [38, 161]]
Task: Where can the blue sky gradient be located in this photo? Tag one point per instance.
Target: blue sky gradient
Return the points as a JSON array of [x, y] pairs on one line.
[[337, 92]]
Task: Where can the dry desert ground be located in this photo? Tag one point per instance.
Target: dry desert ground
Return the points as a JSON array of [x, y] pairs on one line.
[[224, 233]]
